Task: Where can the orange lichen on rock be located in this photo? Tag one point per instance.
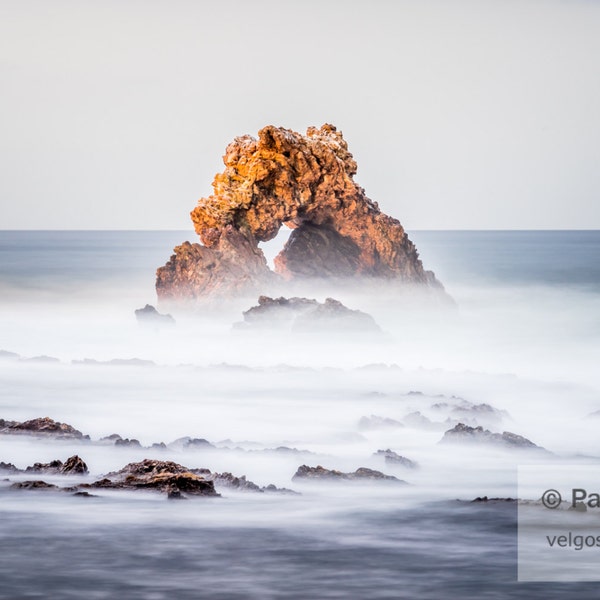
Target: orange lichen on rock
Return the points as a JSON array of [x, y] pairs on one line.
[[306, 183]]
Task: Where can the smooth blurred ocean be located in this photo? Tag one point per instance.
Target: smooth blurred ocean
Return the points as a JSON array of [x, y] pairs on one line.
[[524, 339]]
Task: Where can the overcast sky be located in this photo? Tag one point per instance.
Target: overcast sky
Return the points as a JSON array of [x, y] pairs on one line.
[[461, 114]]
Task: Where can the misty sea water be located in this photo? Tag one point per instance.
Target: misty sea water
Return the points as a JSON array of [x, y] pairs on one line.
[[55, 259], [525, 341]]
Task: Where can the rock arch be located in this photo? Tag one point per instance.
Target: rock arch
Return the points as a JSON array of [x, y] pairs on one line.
[[305, 182]]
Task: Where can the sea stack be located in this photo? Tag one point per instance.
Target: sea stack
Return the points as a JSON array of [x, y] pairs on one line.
[[305, 182]]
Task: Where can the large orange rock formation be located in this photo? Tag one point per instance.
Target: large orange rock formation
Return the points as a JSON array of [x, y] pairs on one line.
[[306, 183]]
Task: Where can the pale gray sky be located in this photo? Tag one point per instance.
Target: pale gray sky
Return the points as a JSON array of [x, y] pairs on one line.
[[461, 114]]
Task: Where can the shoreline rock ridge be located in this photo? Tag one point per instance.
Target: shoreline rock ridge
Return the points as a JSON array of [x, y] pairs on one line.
[[305, 182]]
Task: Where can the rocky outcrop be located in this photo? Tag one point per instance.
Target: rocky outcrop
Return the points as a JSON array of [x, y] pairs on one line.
[[34, 485], [393, 458], [175, 479], [189, 443], [305, 182], [170, 478], [72, 466], [150, 316], [163, 476], [8, 468], [232, 482], [307, 315], [320, 473], [42, 427], [485, 499], [462, 433], [128, 443]]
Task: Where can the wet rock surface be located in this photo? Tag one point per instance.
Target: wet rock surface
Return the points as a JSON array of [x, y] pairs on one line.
[[306, 183], [163, 476], [317, 473]]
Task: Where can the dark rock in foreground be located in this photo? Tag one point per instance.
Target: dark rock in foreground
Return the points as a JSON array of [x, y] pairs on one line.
[[150, 316], [462, 433], [167, 477], [163, 476], [43, 427], [307, 315], [392, 458], [361, 474]]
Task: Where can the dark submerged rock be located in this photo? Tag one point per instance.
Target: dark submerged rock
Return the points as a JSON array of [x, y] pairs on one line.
[[307, 315], [33, 485]]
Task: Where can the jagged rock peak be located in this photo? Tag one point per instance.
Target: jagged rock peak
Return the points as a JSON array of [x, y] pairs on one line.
[[306, 183]]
